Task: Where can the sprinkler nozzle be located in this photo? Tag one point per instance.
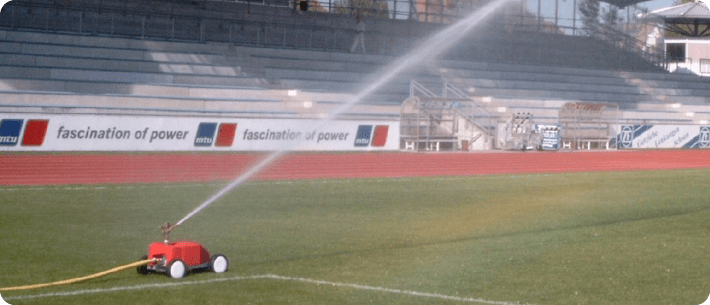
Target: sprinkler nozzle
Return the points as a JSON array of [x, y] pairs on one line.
[[167, 227]]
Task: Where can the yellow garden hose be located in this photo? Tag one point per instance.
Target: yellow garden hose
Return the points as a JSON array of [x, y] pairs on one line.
[[78, 279]]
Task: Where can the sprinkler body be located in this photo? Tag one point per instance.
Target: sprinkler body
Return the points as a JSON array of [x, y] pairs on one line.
[[176, 259]]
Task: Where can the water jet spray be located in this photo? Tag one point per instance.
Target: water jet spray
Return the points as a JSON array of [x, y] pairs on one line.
[[429, 48]]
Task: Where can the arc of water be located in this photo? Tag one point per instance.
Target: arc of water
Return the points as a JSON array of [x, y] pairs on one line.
[[430, 48]]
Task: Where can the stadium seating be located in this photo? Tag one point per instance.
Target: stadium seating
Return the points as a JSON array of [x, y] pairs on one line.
[[535, 72]]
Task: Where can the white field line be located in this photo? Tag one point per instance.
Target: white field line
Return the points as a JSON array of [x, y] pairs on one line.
[[255, 277], [390, 290], [130, 288]]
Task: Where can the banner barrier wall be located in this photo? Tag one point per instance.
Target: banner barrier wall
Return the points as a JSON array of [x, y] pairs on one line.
[[663, 136], [38, 132]]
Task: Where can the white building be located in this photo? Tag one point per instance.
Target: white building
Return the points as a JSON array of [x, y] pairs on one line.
[[689, 50], [689, 55]]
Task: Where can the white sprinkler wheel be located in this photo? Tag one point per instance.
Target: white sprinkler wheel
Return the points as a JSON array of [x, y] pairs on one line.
[[177, 269], [219, 263]]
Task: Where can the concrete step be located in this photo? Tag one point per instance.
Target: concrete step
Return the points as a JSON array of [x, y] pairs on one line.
[[147, 53], [459, 71], [562, 95], [507, 67], [683, 87], [656, 116], [314, 64], [71, 50], [542, 85], [49, 62], [665, 76], [180, 92], [280, 53], [132, 102], [115, 43], [127, 77], [163, 90], [102, 103], [315, 75], [400, 89]]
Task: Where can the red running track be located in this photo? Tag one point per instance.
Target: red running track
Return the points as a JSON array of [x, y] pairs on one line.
[[55, 169]]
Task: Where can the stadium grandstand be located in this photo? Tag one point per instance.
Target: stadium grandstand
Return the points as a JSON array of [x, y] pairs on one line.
[[282, 60]]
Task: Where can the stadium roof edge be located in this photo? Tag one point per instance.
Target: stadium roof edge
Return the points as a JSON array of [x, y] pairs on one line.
[[624, 3]]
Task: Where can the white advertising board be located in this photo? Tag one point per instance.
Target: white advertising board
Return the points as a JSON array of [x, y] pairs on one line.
[[663, 136], [36, 132], [550, 136]]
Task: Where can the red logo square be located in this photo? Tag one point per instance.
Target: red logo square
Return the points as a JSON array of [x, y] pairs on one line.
[[225, 136], [35, 130], [380, 137]]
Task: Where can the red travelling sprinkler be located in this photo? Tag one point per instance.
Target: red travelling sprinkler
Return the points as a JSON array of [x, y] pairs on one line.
[[175, 259]]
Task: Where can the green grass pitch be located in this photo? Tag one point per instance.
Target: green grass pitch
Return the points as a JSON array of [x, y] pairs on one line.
[[578, 238]]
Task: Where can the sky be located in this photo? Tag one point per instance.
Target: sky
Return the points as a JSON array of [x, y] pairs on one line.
[[566, 9], [656, 4]]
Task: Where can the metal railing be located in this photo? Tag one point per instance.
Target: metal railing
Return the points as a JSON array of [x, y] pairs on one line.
[[628, 43], [455, 101], [88, 21], [284, 32], [471, 109], [599, 31], [432, 11]]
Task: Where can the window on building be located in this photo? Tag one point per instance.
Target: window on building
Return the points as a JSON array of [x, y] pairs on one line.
[[705, 66], [676, 52]]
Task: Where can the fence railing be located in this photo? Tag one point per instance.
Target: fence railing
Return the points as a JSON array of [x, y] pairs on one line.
[[173, 27], [629, 44], [272, 32], [615, 37]]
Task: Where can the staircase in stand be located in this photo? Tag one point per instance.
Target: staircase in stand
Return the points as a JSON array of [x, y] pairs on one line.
[[451, 120]]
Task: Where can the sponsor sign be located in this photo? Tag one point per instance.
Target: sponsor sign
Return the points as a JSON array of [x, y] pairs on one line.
[[550, 136], [27, 132], [33, 135], [663, 136], [10, 132], [365, 136], [205, 134]]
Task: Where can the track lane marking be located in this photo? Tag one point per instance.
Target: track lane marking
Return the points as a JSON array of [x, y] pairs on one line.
[[286, 182]]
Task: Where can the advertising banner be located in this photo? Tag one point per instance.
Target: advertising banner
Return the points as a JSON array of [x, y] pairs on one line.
[[550, 136], [38, 132], [663, 136]]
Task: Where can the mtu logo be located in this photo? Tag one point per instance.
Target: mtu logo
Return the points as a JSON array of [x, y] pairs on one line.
[[365, 136], [35, 131], [206, 132]]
